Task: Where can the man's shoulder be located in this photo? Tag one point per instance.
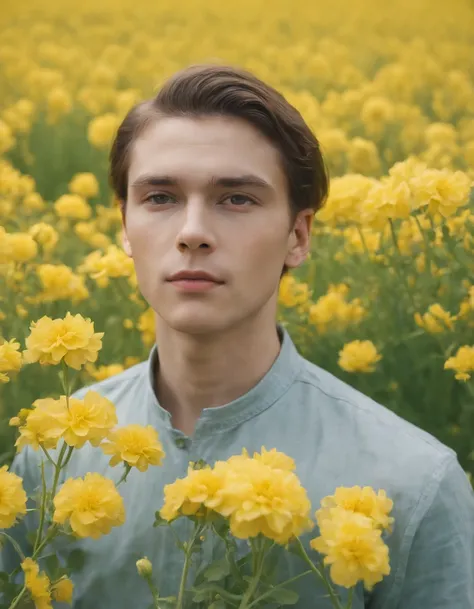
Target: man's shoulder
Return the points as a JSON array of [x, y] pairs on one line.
[[374, 423], [118, 387]]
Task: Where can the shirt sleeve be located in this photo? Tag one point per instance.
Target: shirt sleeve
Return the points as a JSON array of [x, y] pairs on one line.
[[440, 567]]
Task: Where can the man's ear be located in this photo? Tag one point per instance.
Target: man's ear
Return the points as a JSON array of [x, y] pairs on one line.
[[299, 242], [125, 242]]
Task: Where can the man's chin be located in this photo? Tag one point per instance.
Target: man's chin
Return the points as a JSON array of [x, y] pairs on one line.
[[196, 325]]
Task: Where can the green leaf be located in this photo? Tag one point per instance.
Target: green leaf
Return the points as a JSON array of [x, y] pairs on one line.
[[217, 570], [4, 579], [284, 597], [76, 560], [221, 527], [159, 520], [52, 566], [219, 604], [202, 593]]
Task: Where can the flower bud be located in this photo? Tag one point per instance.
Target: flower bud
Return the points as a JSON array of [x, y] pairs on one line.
[[144, 567]]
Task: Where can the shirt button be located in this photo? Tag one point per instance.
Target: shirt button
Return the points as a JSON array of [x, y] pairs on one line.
[[180, 442]]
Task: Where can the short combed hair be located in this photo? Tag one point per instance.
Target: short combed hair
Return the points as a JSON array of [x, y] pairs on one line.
[[215, 90]]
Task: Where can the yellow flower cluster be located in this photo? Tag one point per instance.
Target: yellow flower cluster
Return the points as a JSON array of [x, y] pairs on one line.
[[12, 498], [91, 506], [332, 311], [41, 590], [135, 445], [259, 495], [71, 340], [435, 320], [359, 356], [10, 359], [462, 363], [76, 421], [351, 523]]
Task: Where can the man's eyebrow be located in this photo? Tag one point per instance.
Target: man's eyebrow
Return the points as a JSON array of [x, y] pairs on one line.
[[223, 181]]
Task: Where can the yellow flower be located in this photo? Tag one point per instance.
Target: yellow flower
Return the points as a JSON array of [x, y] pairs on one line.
[[59, 103], [436, 320], [259, 499], [191, 495], [462, 363], [366, 501], [12, 498], [345, 197], [146, 325], [363, 156], [333, 311], [292, 293], [135, 445], [384, 201], [104, 372], [102, 129], [22, 247], [443, 191], [72, 206], [88, 420], [91, 505], [114, 263], [59, 282], [71, 340], [37, 584], [33, 202], [44, 234], [62, 590], [10, 358], [359, 356], [353, 549], [43, 425], [84, 185], [275, 459]]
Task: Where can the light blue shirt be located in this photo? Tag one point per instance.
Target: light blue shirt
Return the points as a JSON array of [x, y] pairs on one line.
[[336, 435]]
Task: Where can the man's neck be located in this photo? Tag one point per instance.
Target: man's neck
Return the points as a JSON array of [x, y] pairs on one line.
[[205, 371]]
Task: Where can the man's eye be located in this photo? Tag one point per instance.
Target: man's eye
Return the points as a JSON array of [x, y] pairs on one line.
[[240, 200], [159, 198]]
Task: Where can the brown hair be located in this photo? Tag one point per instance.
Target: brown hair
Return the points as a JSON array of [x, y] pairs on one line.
[[207, 90]]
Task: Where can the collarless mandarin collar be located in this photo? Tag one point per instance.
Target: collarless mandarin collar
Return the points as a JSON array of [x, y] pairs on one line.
[[266, 392]]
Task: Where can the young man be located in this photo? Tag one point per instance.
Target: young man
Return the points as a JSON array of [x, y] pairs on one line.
[[219, 178]]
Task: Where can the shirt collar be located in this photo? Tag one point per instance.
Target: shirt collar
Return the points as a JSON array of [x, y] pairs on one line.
[[264, 394]]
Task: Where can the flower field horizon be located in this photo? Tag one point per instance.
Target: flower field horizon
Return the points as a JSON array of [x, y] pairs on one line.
[[386, 299]]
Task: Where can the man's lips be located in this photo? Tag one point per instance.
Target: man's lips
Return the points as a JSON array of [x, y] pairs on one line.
[[194, 281]]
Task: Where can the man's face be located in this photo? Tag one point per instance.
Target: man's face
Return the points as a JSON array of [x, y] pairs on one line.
[[210, 195]]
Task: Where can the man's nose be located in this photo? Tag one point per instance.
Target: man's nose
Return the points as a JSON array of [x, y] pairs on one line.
[[196, 227]]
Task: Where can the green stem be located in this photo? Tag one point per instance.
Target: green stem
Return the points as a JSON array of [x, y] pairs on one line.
[[320, 574], [68, 457], [18, 598], [65, 380], [154, 592], [19, 551], [395, 266], [124, 475], [59, 466], [258, 554], [349, 598], [426, 243], [39, 532], [48, 456], [49, 537], [187, 564], [282, 585], [394, 236], [364, 242]]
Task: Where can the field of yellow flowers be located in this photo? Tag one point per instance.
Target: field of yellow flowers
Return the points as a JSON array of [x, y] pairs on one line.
[[386, 300]]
